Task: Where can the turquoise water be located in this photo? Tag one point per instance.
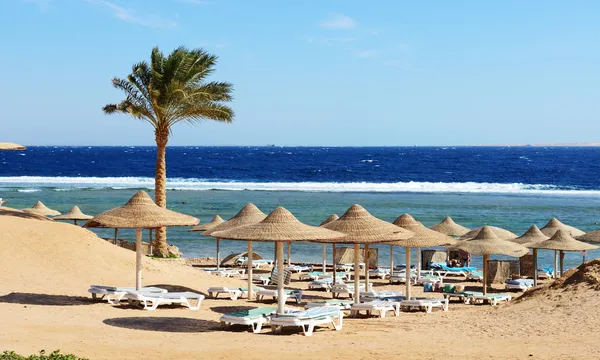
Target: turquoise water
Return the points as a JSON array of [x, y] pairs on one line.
[[514, 212]]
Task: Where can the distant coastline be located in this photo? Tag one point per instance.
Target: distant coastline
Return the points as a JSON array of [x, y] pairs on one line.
[[575, 144]]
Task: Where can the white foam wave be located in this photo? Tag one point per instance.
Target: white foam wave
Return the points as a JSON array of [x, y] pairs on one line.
[[28, 183], [28, 190]]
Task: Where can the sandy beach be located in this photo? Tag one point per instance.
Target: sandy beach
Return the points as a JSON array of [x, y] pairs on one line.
[[48, 266]]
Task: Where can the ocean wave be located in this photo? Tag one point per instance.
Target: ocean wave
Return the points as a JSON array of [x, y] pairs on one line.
[[32, 183]]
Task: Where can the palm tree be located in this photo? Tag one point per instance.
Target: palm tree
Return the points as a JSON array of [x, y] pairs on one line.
[[168, 91]]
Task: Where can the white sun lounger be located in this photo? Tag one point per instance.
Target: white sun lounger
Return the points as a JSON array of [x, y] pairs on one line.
[[381, 273], [492, 299], [343, 304], [424, 304], [519, 284], [380, 306], [299, 268], [115, 294], [381, 295], [308, 319], [346, 289], [234, 293], [151, 301], [288, 294], [461, 295], [257, 264], [255, 318], [475, 275]]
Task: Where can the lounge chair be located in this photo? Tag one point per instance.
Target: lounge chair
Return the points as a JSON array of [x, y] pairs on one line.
[[234, 293], [519, 284], [461, 295], [272, 279], [380, 306], [455, 271], [151, 301], [298, 268], [346, 289], [322, 284], [288, 293], [476, 275], [253, 317], [492, 299], [317, 275], [308, 319], [344, 267], [381, 295], [424, 304], [115, 294], [430, 278], [381, 273], [229, 272], [343, 304], [256, 264]]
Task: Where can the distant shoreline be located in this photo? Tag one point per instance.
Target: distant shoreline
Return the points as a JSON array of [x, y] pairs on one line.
[[577, 144]]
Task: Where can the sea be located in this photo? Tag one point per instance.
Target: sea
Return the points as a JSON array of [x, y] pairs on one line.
[[509, 187]]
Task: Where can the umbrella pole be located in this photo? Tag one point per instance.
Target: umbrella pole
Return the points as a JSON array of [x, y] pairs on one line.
[[250, 257], [150, 241], [418, 263], [485, 270], [116, 232], [333, 262], [280, 295], [407, 273], [138, 259], [219, 254], [324, 258], [555, 264], [391, 262], [562, 256], [535, 267], [366, 260], [75, 222], [289, 253], [356, 273]]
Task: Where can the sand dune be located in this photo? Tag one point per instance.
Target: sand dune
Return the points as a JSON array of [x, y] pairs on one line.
[[47, 267]]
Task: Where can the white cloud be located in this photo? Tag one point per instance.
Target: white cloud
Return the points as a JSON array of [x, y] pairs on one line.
[[42, 5], [339, 21], [366, 53], [130, 16]]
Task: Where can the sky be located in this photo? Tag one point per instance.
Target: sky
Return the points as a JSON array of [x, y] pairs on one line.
[[312, 72]]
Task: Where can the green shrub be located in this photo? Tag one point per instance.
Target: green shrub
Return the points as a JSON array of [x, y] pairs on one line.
[[55, 355]]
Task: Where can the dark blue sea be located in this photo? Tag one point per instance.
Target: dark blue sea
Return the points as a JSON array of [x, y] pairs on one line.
[[510, 187]]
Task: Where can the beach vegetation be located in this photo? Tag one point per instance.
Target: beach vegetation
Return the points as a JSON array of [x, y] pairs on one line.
[[55, 355], [170, 90]]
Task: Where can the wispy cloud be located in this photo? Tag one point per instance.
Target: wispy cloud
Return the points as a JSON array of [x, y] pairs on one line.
[[131, 16], [338, 21], [366, 53], [42, 5]]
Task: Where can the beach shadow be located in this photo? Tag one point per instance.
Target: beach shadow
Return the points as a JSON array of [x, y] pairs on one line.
[[178, 288], [45, 299], [231, 309], [164, 324]]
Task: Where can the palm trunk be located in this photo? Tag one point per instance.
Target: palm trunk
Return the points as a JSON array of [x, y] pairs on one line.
[[160, 191]]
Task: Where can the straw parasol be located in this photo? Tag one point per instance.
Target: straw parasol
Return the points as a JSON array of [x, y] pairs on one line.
[[500, 233], [216, 220], [74, 214], [361, 227], [533, 235], [40, 209], [550, 229], [11, 146], [332, 217], [249, 214], [486, 243], [561, 241], [592, 236], [450, 228], [423, 237], [140, 212], [279, 226]]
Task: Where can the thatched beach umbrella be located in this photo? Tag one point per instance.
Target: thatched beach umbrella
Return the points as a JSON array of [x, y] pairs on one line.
[[552, 227], [450, 228], [422, 237], [533, 235], [216, 220], [499, 232], [248, 215], [40, 209], [486, 243], [561, 241], [74, 215], [592, 237], [11, 146], [140, 212], [279, 227], [332, 217], [361, 227]]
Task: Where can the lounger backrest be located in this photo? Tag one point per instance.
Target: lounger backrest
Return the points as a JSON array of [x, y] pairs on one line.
[[287, 277]]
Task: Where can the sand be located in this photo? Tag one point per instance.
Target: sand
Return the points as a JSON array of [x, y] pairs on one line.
[[46, 269]]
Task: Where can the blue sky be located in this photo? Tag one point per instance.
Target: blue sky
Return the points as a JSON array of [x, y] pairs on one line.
[[312, 72]]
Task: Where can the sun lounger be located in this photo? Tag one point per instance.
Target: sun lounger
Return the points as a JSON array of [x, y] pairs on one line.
[[346, 289], [492, 299], [379, 273], [298, 268], [380, 306], [519, 284], [424, 304], [308, 319], [461, 295], [253, 317], [381, 295], [288, 293], [476, 275], [151, 301], [256, 264], [322, 284], [234, 293], [229, 272], [430, 279], [343, 304], [115, 294], [316, 275]]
